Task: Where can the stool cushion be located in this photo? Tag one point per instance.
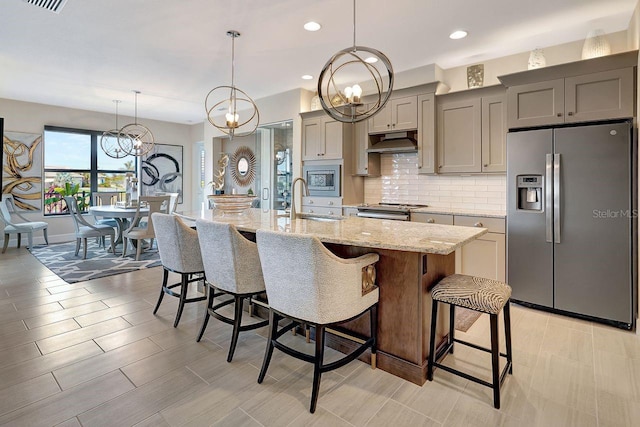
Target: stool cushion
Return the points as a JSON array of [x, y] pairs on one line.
[[475, 293]]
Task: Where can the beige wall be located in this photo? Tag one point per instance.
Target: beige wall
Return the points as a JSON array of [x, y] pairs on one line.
[[30, 117]]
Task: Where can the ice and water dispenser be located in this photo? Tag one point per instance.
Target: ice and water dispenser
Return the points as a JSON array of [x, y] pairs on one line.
[[530, 192]]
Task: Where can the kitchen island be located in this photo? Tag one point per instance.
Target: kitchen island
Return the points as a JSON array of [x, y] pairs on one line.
[[413, 257]]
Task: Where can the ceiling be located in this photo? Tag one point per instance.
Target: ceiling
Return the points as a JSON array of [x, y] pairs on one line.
[[175, 52]]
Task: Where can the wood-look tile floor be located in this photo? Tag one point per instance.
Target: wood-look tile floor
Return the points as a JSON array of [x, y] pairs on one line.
[[92, 353]]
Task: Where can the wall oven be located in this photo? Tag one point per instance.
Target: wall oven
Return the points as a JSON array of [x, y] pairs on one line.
[[322, 180]]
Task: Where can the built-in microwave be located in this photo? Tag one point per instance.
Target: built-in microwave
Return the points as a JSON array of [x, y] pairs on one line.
[[322, 180]]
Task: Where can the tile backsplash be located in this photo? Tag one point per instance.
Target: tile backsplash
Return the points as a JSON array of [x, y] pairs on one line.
[[400, 183]]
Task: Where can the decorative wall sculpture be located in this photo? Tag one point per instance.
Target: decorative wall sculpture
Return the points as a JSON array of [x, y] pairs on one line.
[[22, 169], [162, 170]]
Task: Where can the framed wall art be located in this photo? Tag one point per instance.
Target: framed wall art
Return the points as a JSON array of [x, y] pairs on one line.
[[162, 170], [22, 169]]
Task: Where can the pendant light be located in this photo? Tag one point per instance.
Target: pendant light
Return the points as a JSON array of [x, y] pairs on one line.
[[136, 139], [110, 140], [242, 115], [341, 98]]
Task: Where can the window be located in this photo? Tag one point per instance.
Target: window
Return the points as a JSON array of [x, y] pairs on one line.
[[75, 165]]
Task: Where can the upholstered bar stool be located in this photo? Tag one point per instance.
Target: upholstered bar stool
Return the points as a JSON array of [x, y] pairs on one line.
[[479, 294], [179, 253], [306, 283], [231, 266]]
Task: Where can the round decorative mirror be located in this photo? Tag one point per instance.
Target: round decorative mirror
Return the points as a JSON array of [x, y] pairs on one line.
[[243, 166]]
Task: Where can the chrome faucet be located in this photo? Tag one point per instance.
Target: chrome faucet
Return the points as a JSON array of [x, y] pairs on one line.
[[305, 188]]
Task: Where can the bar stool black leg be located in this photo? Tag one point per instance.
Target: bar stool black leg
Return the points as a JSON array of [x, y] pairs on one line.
[[317, 367], [452, 326], [373, 319], [165, 278], [237, 321], [507, 334], [495, 360], [211, 292], [432, 340], [273, 331], [183, 296]]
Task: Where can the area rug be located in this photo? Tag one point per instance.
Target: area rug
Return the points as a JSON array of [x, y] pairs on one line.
[[465, 318], [60, 259]]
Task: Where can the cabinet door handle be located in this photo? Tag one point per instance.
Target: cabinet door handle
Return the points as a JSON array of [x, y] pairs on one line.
[[330, 203], [486, 165], [478, 224], [440, 167], [559, 114], [310, 210], [570, 113], [330, 212], [310, 202], [431, 221], [388, 125]]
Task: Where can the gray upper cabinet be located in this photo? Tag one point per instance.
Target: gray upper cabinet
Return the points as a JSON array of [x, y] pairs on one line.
[[494, 134], [321, 138], [399, 114], [595, 96], [471, 131], [459, 136], [536, 104], [427, 133]]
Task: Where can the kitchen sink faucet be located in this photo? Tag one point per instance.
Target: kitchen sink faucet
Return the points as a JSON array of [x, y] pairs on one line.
[[305, 189]]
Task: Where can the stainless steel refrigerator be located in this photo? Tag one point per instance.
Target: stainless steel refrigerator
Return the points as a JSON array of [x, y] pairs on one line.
[[571, 220]]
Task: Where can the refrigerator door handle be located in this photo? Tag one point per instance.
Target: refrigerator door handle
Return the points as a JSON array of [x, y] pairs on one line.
[[556, 198], [549, 198]]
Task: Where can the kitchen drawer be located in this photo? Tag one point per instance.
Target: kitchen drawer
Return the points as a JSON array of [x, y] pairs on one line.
[[322, 210], [494, 225], [432, 218], [334, 202]]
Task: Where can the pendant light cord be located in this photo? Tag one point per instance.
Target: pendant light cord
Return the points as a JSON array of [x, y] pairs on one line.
[[354, 25]]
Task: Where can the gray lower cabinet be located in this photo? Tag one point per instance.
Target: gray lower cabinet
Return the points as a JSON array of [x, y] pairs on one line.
[[483, 257], [471, 132], [594, 96]]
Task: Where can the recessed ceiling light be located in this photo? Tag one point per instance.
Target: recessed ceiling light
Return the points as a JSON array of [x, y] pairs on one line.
[[371, 60], [459, 34], [307, 77], [312, 26]]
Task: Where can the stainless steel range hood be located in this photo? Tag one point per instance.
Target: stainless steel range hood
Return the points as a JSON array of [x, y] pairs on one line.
[[397, 142]]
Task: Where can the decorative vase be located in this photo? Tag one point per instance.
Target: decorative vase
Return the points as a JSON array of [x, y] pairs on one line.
[[475, 76], [536, 59], [315, 102], [595, 45]]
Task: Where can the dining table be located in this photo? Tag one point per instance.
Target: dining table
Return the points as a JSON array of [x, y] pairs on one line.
[[121, 215]]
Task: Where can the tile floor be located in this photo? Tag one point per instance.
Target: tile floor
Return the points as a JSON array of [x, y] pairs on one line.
[[93, 354]]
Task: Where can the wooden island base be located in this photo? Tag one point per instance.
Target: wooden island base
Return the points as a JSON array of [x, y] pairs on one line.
[[404, 311]]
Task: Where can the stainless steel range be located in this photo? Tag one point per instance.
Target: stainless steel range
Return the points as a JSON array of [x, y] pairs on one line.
[[393, 211]]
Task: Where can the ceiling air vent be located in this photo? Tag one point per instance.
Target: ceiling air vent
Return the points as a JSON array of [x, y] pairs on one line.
[[51, 5]]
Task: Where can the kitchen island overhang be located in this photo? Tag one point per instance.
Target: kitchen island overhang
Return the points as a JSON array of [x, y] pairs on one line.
[[413, 258]]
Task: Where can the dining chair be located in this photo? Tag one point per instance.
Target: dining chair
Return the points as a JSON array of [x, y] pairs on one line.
[[231, 266], [179, 253], [84, 230], [173, 204], [11, 226], [308, 284], [105, 198], [138, 231]]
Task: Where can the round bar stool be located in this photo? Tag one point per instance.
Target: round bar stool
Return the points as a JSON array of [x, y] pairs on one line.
[[479, 294]]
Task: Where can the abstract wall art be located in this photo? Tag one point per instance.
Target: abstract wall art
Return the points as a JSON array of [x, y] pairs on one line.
[[22, 169], [162, 170]]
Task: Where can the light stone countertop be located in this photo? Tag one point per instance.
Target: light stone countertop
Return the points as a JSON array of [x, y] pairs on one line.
[[354, 231]]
